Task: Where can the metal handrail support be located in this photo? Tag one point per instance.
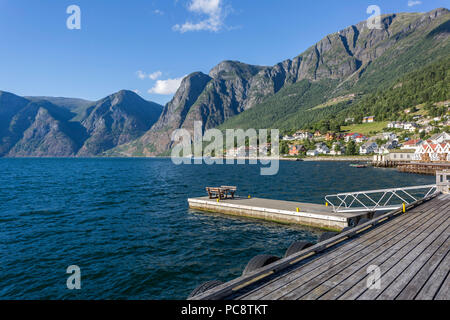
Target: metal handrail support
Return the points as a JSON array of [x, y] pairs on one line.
[[344, 202]]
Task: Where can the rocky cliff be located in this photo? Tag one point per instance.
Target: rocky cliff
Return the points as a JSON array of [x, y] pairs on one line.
[[339, 60], [38, 127]]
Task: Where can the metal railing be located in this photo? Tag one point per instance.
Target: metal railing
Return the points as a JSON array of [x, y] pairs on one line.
[[378, 200]]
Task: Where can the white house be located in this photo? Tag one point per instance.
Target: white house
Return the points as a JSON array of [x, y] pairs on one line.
[[413, 144], [385, 148], [322, 148], [303, 135], [427, 129], [395, 125], [410, 126], [288, 138], [429, 151], [312, 153], [360, 138], [389, 135], [337, 149], [368, 119], [368, 147], [440, 137], [400, 155]]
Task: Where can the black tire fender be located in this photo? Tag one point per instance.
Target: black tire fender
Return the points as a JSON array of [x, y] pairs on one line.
[[363, 220], [204, 287], [259, 261], [347, 228], [297, 246], [327, 235]]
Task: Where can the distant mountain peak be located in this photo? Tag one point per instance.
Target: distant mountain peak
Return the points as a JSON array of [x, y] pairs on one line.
[[228, 67]]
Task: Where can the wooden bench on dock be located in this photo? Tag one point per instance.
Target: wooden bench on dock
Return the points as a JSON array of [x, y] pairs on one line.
[[230, 189], [221, 192]]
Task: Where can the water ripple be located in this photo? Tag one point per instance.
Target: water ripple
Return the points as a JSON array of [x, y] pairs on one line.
[[126, 223]]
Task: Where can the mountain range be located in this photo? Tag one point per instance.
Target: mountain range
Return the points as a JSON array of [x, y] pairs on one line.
[[328, 78], [66, 127]]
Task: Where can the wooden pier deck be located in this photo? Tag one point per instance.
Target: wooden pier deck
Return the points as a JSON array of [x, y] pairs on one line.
[[411, 250], [309, 214]]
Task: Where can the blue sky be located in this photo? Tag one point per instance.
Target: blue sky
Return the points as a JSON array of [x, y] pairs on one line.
[[148, 46]]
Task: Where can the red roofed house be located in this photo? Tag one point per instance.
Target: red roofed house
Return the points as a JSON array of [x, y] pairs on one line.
[[412, 144]]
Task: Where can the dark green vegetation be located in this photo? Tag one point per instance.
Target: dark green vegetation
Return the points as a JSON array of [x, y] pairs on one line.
[[429, 85], [392, 82]]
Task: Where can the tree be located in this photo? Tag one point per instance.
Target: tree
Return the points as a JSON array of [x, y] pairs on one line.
[[284, 147], [351, 149]]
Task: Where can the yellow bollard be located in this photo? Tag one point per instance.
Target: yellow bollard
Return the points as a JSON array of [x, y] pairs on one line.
[[298, 209], [326, 204], [217, 199], [249, 197], [404, 208]]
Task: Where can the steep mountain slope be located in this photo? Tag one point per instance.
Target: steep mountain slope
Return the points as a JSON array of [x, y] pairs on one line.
[[117, 119], [355, 60], [36, 127], [15, 117], [415, 40], [46, 136], [75, 105], [430, 84]]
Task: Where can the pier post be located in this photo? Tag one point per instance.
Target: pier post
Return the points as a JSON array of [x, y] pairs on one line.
[[443, 181]]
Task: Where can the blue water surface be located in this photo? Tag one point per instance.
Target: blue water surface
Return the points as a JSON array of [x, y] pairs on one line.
[[126, 223]]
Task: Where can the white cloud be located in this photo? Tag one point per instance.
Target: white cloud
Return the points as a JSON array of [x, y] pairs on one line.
[[136, 91], [155, 75], [412, 3], [141, 74], [158, 12], [214, 16], [166, 87]]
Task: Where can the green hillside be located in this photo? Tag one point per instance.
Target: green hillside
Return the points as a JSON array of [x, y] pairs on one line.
[[297, 106]]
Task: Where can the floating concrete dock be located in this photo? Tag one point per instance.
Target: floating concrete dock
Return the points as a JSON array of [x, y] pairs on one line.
[[308, 214], [405, 255]]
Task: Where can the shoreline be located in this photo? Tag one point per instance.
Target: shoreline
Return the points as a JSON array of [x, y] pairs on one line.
[[323, 158]]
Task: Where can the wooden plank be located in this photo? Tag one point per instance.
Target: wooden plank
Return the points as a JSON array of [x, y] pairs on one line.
[[406, 274], [334, 256], [434, 283], [402, 259], [320, 287], [350, 280], [421, 240], [285, 266], [339, 255], [346, 278], [419, 279], [444, 292], [382, 234], [230, 288]]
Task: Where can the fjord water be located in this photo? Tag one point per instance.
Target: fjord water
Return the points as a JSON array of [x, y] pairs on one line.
[[126, 223]]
